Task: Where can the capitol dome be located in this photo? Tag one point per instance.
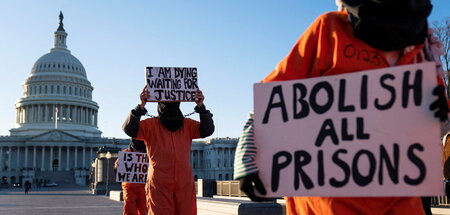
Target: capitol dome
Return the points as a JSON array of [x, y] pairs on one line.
[[57, 95], [59, 61]]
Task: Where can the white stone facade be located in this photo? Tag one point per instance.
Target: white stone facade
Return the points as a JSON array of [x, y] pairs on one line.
[[213, 158]]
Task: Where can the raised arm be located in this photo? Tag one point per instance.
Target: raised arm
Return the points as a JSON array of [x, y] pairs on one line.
[[131, 124], [206, 121]]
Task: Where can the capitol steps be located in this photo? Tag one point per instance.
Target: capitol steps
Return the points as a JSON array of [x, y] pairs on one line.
[[62, 178]]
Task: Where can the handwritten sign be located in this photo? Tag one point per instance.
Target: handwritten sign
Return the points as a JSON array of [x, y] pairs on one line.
[[171, 83], [368, 133], [132, 167]]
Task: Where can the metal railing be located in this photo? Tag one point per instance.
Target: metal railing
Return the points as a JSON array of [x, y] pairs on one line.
[[440, 201]]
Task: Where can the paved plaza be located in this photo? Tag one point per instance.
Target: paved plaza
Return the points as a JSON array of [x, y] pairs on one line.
[[79, 201], [56, 201]]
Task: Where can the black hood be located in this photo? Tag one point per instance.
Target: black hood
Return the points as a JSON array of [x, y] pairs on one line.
[[389, 25], [170, 115]]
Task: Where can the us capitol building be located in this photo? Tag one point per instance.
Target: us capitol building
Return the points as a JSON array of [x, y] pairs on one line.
[[56, 136]]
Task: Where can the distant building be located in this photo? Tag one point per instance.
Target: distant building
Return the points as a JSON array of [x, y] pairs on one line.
[[213, 158], [56, 135]]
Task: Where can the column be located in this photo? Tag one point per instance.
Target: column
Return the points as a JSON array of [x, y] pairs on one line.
[[223, 157], [39, 113], [229, 159], [75, 114], [33, 109], [17, 115], [42, 159], [30, 119], [34, 157], [75, 166], [83, 165], [96, 120], [9, 157], [18, 158], [91, 155], [67, 158], [88, 121], [83, 115], [51, 159], [26, 114], [22, 115], [25, 165], [59, 159], [1, 158], [80, 115], [46, 114]]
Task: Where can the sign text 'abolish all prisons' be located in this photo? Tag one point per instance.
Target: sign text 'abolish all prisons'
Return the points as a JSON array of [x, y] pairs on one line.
[[367, 133]]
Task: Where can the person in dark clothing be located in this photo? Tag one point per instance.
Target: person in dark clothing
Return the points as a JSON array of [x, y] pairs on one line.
[[168, 138], [27, 187]]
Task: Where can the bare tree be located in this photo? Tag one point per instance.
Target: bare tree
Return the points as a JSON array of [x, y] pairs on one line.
[[442, 32]]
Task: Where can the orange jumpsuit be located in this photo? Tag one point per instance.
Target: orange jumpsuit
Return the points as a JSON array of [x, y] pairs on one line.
[[134, 202], [328, 47], [170, 184]]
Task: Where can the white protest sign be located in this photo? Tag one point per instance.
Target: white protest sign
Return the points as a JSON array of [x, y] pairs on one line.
[[132, 167], [171, 83], [368, 133]]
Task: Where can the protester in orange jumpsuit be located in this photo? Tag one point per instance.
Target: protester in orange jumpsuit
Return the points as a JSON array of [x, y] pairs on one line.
[[366, 37], [168, 138], [134, 199]]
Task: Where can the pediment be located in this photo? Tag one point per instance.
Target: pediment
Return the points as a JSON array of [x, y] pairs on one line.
[[55, 135]]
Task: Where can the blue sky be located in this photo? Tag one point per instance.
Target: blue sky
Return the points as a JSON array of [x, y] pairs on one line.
[[232, 43]]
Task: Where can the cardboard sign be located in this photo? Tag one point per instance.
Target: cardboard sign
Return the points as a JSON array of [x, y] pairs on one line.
[[132, 167], [368, 133], [171, 83]]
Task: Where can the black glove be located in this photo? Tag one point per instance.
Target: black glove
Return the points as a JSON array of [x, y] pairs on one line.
[[440, 105], [138, 112], [249, 183]]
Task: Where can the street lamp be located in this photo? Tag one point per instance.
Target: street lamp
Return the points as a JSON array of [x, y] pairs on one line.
[[108, 156]]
